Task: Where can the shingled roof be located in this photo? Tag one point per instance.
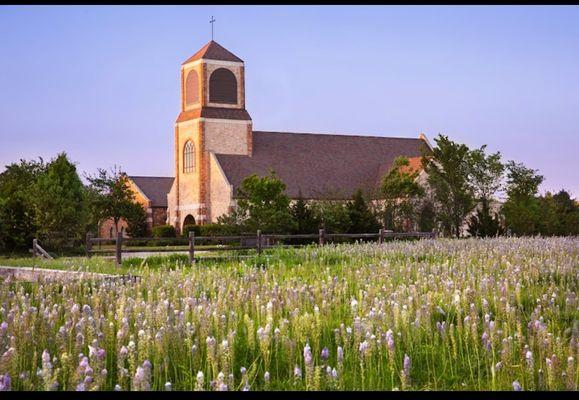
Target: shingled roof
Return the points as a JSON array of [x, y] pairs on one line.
[[214, 112], [318, 166], [213, 51], [155, 188]]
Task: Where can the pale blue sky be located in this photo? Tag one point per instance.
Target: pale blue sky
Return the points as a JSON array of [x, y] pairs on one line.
[[102, 82]]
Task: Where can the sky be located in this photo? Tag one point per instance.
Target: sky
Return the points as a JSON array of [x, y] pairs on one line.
[[102, 82]]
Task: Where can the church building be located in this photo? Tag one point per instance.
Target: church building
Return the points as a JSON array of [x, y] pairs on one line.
[[215, 148]]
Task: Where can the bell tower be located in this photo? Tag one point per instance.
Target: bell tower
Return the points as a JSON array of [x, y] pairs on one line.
[[212, 120]]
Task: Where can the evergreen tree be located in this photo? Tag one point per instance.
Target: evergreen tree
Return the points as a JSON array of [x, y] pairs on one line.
[[362, 220], [304, 218], [483, 223], [136, 217], [333, 216]]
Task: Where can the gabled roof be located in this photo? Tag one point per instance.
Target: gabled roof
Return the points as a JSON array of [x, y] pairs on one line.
[[155, 188], [320, 165], [213, 51]]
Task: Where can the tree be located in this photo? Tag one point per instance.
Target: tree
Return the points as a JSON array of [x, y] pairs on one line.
[[305, 220], [522, 208], [59, 201], [362, 220], [448, 174], [136, 217], [485, 178], [17, 219], [400, 192], [333, 215], [263, 205], [568, 213], [483, 223], [111, 196], [558, 214]]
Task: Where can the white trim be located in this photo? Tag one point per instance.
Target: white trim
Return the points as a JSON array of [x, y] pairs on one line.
[[231, 121], [423, 137], [219, 120], [214, 62]]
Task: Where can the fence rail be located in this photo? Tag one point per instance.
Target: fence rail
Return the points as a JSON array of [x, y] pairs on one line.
[[258, 241]]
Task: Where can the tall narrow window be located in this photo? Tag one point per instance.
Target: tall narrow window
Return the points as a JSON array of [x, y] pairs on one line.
[[188, 157]]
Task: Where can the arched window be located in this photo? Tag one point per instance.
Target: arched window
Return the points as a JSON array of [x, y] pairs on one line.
[[192, 88], [223, 87], [188, 157]]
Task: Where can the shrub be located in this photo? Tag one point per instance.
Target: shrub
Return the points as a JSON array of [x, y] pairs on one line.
[[190, 227], [218, 230], [164, 231]]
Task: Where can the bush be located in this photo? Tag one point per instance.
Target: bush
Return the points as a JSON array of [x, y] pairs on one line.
[[164, 231], [189, 228], [218, 230]]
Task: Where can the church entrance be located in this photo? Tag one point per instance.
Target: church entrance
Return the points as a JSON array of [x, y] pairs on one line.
[[189, 220]]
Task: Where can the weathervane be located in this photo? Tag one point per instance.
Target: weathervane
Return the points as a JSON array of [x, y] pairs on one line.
[[211, 21]]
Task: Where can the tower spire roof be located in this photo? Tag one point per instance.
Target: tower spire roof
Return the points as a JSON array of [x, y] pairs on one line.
[[213, 51]]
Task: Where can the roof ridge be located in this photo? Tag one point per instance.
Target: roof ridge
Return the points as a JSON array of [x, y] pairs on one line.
[[147, 176], [218, 53], [340, 135]]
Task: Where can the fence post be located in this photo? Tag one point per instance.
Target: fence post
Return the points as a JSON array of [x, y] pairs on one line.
[[88, 244], [321, 237], [191, 247], [119, 244], [34, 244], [381, 236], [259, 241]]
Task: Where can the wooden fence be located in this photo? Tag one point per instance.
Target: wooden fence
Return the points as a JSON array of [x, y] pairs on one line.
[[258, 242]]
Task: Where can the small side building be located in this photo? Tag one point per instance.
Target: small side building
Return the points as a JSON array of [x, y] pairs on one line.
[[151, 193]]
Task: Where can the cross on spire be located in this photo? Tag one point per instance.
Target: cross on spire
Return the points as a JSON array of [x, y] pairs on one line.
[[211, 21]]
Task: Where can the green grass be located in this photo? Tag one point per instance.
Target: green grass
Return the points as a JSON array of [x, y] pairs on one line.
[[268, 307]]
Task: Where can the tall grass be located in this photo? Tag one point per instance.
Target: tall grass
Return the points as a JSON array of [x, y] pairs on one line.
[[493, 314]]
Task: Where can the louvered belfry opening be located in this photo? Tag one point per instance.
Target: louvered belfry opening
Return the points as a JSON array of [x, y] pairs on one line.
[[223, 87], [192, 88]]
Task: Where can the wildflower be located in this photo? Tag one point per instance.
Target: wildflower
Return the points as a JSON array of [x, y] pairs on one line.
[[168, 387], [517, 386], [307, 355], [117, 388], [5, 383], [406, 365], [243, 371], [297, 372], [325, 354], [363, 347], [340, 354], [266, 376]]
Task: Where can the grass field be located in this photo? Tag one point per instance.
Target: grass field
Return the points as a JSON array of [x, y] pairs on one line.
[[493, 314]]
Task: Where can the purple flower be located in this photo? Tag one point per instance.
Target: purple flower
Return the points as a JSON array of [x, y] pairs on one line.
[[406, 365], [5, 383], [517, 386], [3, 327], [325, 354], [340, 354], [297, 372]]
